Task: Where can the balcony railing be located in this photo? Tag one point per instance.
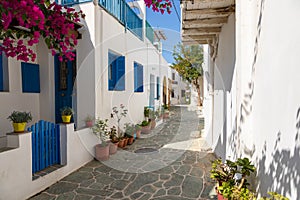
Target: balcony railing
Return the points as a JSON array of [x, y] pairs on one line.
[[122, 11], [149, 32], [71, 2]]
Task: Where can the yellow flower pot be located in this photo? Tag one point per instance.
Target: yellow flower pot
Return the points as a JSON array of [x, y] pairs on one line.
[[19, 127], [66, 118]]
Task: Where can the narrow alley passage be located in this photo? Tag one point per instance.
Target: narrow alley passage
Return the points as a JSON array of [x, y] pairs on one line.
[[163, 165]]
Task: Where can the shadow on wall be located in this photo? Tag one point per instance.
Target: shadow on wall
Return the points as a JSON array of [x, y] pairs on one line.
[[283, 173], [246, 102]]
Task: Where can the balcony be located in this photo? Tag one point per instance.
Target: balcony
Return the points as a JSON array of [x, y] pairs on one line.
[[71, 2], [123, 13]]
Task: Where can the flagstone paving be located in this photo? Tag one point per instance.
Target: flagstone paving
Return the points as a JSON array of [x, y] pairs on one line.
[[166, 164]]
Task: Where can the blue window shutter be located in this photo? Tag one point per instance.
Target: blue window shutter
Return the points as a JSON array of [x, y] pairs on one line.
[[140, 78], [1, 73], [112, 72], [135, 77], [30, 78], [157, 88], [120, 78]]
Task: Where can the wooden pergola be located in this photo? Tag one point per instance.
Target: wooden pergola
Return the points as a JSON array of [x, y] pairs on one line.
[[202, 21]]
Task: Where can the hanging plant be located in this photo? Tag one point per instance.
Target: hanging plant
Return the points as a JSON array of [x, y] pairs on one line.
[[24, 22]]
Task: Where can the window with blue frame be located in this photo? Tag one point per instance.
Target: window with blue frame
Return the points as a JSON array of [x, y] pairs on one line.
[[157, 88], [30, 78], [3, 73], [138, 77], [116, 72]]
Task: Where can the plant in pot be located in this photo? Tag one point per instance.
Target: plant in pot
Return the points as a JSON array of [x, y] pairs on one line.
[[129, 132], [100, 129], [66, 114], [146, 127], [20, 119], [232, 178], [152, 118], [89, 121], [146, 113], [118, 114], [138, 130], [165, 111], [113, 146]]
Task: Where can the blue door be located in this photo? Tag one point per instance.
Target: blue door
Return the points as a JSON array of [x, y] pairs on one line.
[[65, 75]]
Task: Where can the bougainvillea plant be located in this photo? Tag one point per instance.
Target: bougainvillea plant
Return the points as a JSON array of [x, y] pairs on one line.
[[25, 21], [159, 5]]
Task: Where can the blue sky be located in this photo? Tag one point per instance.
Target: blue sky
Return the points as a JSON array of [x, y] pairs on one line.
[[170, 24]]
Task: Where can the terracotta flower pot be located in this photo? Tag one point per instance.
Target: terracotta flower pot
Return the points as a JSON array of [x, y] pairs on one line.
[[102, 152], [125, 142], [220, 197], [152, 124], [138, 134], [130, 140], [113, 147], [166, 116], [146, 129], [89, 124], [121, 143]]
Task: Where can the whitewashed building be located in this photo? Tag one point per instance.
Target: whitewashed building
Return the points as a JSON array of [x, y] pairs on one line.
[[116, 63], [251, 72], [180, 89]]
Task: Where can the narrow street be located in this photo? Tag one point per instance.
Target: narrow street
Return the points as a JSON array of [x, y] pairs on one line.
[[163, 165]]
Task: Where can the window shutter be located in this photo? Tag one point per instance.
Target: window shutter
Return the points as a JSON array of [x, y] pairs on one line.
[[111, 72], [140, 78], [120, 78], [30, 78], [135, 77], [1, 73]]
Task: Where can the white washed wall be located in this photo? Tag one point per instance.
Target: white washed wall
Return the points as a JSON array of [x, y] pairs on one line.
[[16, 171]]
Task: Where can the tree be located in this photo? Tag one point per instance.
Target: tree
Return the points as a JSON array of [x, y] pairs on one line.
[[159, 5], [188, 64]]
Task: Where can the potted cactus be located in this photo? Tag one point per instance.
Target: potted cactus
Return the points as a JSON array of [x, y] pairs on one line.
[[66, 114], [20, 119]]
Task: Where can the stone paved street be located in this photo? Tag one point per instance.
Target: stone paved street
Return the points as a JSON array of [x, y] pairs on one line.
[[166, 164]]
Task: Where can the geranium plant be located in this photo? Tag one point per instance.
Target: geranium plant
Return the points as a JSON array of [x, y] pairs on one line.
[[24, 22]]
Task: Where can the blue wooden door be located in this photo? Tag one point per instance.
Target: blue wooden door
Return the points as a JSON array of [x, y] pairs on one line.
[[65, 75]]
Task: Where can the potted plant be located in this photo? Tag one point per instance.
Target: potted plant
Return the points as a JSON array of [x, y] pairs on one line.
[[146, 112], [138, 130], [113, 146], [118, 114], [100, 129], [232, 178], [145, 127], [19, 120], [89, 120], [152, 118], [165, 111], [66, 114], [129, 132]]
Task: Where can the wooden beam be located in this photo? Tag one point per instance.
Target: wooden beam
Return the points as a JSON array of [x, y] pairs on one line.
[[193, 42], [203, 16], [201, 31], [199, 37], [211, 22], [221, 10]]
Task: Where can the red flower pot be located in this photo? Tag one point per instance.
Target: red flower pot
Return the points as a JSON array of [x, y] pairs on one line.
[[130, 140]]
